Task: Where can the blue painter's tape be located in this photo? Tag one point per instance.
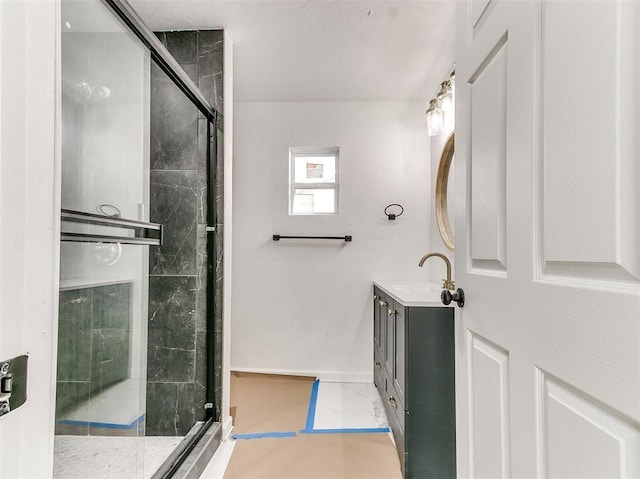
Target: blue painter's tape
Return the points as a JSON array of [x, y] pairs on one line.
[[261, 435], [106, 425], [311, 414], [364, 430]]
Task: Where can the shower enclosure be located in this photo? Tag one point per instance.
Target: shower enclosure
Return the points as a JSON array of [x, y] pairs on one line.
[[121, 349]]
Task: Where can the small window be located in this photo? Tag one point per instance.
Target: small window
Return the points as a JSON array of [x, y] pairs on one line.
[[313, 181]]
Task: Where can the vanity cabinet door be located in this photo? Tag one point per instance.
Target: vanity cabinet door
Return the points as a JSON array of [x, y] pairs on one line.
[[400, 318], [390, 339], [382, 311], [376, 321], [377, 342]]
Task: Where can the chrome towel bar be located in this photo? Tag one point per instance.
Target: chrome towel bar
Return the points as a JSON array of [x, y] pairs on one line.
[[144, 233]]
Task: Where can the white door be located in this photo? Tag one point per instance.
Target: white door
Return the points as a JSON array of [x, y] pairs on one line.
[[547, 152], [29, 233]]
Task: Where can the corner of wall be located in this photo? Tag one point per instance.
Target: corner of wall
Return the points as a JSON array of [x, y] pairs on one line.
[[227, 428], [228, 254]]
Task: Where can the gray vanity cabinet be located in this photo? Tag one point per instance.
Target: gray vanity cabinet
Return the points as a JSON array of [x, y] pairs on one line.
[[414, 372]]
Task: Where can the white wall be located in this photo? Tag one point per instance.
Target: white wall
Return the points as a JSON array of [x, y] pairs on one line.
[[305, 306]]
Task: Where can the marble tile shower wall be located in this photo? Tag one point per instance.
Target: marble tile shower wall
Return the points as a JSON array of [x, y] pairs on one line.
[[178, 270], [94, 328]]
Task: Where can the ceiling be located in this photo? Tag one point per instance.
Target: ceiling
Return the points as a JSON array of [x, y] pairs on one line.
[[323, 50]]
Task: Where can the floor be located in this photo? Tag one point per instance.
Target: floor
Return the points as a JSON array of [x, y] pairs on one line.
[[119, 406], [338, 406], [114, 447], [80, 457]]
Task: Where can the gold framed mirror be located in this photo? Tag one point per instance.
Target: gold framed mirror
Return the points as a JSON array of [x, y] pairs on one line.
[[444, 187]]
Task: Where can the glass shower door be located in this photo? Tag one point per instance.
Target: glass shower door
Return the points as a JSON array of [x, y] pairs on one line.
[[102, 329]]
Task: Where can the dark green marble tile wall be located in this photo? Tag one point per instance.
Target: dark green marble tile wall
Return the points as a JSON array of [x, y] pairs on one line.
[[94, 328], [174, 130], [173, 203], [176, 366]]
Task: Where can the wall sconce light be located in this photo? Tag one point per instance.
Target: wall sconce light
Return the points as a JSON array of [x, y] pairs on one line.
[[434, 118], [440, 114], [445, 97]]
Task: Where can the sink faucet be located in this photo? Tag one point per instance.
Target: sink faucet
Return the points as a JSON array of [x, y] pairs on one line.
[[446, 283]]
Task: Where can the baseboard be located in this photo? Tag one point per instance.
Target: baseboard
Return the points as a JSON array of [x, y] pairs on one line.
[[227, 428], [327, 376]]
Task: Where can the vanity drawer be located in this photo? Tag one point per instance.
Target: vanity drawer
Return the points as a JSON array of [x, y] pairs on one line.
[[396, 408], [378, 378], [397, 425]]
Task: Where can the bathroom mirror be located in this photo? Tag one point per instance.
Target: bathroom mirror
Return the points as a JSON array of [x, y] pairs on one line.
[[444, 193]]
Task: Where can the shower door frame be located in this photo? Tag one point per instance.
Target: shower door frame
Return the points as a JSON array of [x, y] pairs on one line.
[[172, 68], [161, 56]]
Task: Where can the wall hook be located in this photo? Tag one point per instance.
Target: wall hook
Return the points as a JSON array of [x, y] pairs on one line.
[[393, 216]]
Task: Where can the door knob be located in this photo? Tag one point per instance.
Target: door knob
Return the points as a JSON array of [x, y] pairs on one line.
[[447, 296]]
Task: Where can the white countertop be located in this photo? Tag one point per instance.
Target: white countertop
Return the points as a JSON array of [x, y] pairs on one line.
[[413, 293]]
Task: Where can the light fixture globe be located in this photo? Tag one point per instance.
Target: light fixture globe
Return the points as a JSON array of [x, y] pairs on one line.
[[434, 118], [445, 97]]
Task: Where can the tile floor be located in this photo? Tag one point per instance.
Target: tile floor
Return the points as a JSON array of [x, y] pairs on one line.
[[339, 406], [81, 457], [119, 405]]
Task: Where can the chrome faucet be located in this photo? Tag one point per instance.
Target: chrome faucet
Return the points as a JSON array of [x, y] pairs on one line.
[[446, 283]]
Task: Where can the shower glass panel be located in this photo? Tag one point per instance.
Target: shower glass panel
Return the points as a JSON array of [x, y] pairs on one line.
[[102, 330]]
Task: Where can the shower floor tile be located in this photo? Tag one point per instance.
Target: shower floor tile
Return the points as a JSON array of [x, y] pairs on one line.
[[80, 457], [119, 405]]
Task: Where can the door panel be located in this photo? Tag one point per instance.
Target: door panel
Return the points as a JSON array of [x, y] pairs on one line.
[[400, 319], [383, 305], [377, 359], [488, 175], [478, 8], [489, 407], [581, 437], [548, 355], [390, 338], [376, 322], [587, 147]]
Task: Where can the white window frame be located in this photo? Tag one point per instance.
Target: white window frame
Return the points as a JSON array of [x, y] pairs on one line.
[[310, 152]]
